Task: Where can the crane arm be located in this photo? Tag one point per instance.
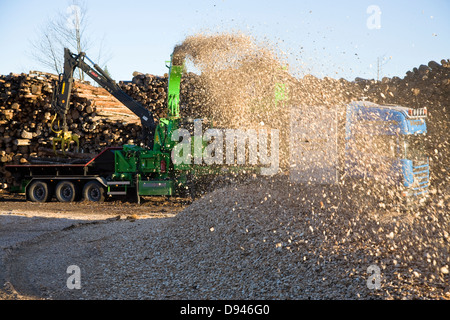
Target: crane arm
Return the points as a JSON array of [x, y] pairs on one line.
[[61, 98]]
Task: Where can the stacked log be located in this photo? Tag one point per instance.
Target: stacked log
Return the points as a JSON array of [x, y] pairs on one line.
[[151, 92], [26, 120], [95, 115], [148, 90]]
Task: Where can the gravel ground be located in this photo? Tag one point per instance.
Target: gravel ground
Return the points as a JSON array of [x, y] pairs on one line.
[[260, 240], [25, 224]]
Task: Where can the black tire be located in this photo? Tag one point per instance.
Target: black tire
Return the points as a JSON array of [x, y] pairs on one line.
[[39, 191], [94, 191], [66, 191]]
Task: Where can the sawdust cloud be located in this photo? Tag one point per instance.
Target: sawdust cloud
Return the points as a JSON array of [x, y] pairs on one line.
[[239, 77], [237, 80], [244, 83]]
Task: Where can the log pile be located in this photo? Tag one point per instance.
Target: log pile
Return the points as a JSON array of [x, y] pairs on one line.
[[95, 115], [148, 90], [26, 117], [151, 92]]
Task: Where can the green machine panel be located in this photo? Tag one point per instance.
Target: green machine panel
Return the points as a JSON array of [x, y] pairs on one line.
[[156, 188]]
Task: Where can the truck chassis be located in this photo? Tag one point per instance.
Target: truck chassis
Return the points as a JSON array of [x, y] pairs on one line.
[[67, 182]]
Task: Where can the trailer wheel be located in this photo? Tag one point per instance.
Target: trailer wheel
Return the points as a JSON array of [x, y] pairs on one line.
[[66, 191], [39, 191], [94, 191]]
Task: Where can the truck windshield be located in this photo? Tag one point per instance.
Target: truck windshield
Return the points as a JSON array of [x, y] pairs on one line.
[[414, 147], [380, 145]]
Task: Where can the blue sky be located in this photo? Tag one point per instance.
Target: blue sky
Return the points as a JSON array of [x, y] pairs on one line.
[[324, 38]]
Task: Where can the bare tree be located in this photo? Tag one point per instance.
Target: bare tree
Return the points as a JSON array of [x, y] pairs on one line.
[[67, 29]]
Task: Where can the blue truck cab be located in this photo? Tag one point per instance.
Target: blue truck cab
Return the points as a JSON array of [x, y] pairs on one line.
[[386, 143]]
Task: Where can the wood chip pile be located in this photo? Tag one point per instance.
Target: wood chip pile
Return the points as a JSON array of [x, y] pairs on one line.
[[278, 240], [274, 239]]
